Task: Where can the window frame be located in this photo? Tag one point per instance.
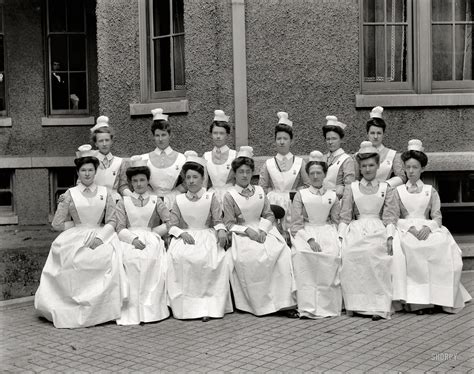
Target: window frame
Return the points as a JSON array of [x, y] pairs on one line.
[[9, 210], [53, 187]]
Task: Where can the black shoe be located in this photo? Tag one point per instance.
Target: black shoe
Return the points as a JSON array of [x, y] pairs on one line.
[[376, 318], [420, 312], [206, 319], [292, 313]]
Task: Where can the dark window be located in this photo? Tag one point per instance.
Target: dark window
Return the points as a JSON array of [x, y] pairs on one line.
[[3, 99], [6, 191], [60, 180]]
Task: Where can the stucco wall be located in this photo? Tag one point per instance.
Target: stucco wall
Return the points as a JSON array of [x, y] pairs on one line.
[[32, 196]]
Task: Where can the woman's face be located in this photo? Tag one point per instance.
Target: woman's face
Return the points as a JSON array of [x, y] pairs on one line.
[[139, 183], [368, 168], [162, 139], [333, 141], [103, 142], [375, 135], [316, 175], [193, 180], [413, 169], [219, 136], [243, 175], [86, 174], [283, 142]]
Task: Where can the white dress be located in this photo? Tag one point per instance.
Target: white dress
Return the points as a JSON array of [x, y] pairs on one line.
[[434, 265], [366, 266], [262, 276], [219, 174], [318, 287], [107, 177], [80, 286], [145, 269], [198, 274]]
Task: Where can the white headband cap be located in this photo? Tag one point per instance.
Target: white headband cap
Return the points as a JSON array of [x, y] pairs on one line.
[[219, 115], [192, 156], [158, 115], [102, 121], [85, 150], [415, 145], [316, 156], [283, 119], [367, 147], [332, 121], [245, 151], [376, 112], [137, 161]]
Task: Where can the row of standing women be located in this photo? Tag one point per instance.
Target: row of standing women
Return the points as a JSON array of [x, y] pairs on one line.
[[378, 243]]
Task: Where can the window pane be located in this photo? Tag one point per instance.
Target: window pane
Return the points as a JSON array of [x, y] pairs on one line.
[[78, 97], [442, 52], [396, 54], [57, 15], [5, 198], [463, 52], [58, 49], [396, 11], [179, 62], [468, 189], [161, 17], [5, 176], [75, 16], [2, 76], [463, 10], [1, 19], [448, 190], [178, 16], [65, 177], [162, 55], [77, 53], [373, 10], [59, 91], [374, 51], [442, 10]]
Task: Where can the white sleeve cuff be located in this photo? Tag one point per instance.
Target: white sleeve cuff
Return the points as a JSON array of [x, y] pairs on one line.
[[238, 229], [127, 236], [105, 233], [395, 181], [265, 225], [342, 229], [391, 230], [68, 225], [176, 231], [220, 226], [161, 230], [127, 192], [432, 225]]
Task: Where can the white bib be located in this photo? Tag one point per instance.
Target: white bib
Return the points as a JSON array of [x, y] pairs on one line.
[[415, 203], [195, 213], [369, 206], [385, 168], [107, 177], [139, 216], [219, 173], [317, 206], [283, 181], [89, 209], [333, 170], [162, 180], [250, 207]]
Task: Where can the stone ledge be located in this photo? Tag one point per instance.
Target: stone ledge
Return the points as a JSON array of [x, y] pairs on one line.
[[168, 106]]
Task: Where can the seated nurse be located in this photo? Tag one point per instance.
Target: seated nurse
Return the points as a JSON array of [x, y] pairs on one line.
[[81, 284], [164, 163], [433, 259], [261, 277]]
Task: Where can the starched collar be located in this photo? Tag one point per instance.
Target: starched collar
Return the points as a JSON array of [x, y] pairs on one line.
[[418, 183], [92, 187], [288, 156], [168, 150], [190, 195], [365, 182], [317, 191], [222, 149], [101, 156], [145, 195], [240, 189]]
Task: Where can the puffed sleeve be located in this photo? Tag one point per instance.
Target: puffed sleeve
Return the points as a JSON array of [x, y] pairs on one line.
[[175, 221], [231, 215], [297, 219], [264, 180], [110, 219], [266, 218], [390, 212], [399, 176], [335, 212], [123, 187], [165, 218], [62, 213], [124, 234], [348, 171], [216, 214], [345, 217], [304, 181], [435, 206]]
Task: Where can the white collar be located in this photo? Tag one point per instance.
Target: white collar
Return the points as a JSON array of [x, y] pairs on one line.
[[288, 156], [199, 194], [145, 195], [82, 187], [315, 190], [223, 149], [374, 182], [167, 151], [419, 183], [380, 147], [339, 152], [240, 189], [108, 156]]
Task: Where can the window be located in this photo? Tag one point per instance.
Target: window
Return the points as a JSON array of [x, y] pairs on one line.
[[67, 57], [162, 49], [3, 111], [6, 192], [416, 46], [60, 180]]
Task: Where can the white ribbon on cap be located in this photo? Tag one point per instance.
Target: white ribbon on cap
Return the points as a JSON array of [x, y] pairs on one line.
[[332, 121], [219, 115], [192, 156], [415, 145], [137, 161], [376, 112], [283, 119], [245, 151], [158, 115], [367, 147], [85, 150], [102, 121], [316, 156]]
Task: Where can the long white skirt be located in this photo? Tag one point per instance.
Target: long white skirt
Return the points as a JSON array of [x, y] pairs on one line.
[[198, 277], [146, 275], [433, 267], [79, 286], [262, 275], [318, 288], [282, 198], [366, 268]]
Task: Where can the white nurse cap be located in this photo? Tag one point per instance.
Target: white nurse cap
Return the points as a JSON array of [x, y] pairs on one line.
[[85, 151], [332, 121], [316, 156], [137, 161], [367, 147], [220, 116], [192, 156], [158, 115], [245, 151], [283, 119], [102, 121], [415, 145], [376, 112]]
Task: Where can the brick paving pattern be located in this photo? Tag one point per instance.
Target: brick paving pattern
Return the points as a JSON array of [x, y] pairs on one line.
[[242, 343]]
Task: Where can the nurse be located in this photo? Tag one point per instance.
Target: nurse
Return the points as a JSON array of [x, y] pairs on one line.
[[367, 207], [262, 276], [164, 163], [198, 269], [433, 259], [219, 160], [316, 246], [285, 172], [80, 284], [108, 172], [142, 220], [341, 169]]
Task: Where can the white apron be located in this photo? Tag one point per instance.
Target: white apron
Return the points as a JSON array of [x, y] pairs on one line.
[[145, 269], [262, 275], [198, 275], [365, 274], [333, 170], [219, 174], [282, 185], [80, 286], [318, 287], [107, 177], [163, 180], [385, 169], [434, 265]]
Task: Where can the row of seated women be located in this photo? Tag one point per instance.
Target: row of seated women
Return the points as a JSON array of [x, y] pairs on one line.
[[378, 248]]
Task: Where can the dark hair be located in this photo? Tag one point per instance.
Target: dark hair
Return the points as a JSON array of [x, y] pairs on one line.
[[377, 122], [421, 157], [223, 124], [281, 127], [365, 156], [320, 163], [86, 160], [336, 129], [239, 161], [160, 124], [132, 171], [190, 165], [102, 130]]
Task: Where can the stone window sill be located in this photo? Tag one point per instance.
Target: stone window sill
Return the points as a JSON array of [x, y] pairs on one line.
[[414, 100], [169, 107], [5, 122], [67, 121], [8, 219]]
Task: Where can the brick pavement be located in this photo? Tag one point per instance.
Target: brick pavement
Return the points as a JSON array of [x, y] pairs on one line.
[[242, 343]]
